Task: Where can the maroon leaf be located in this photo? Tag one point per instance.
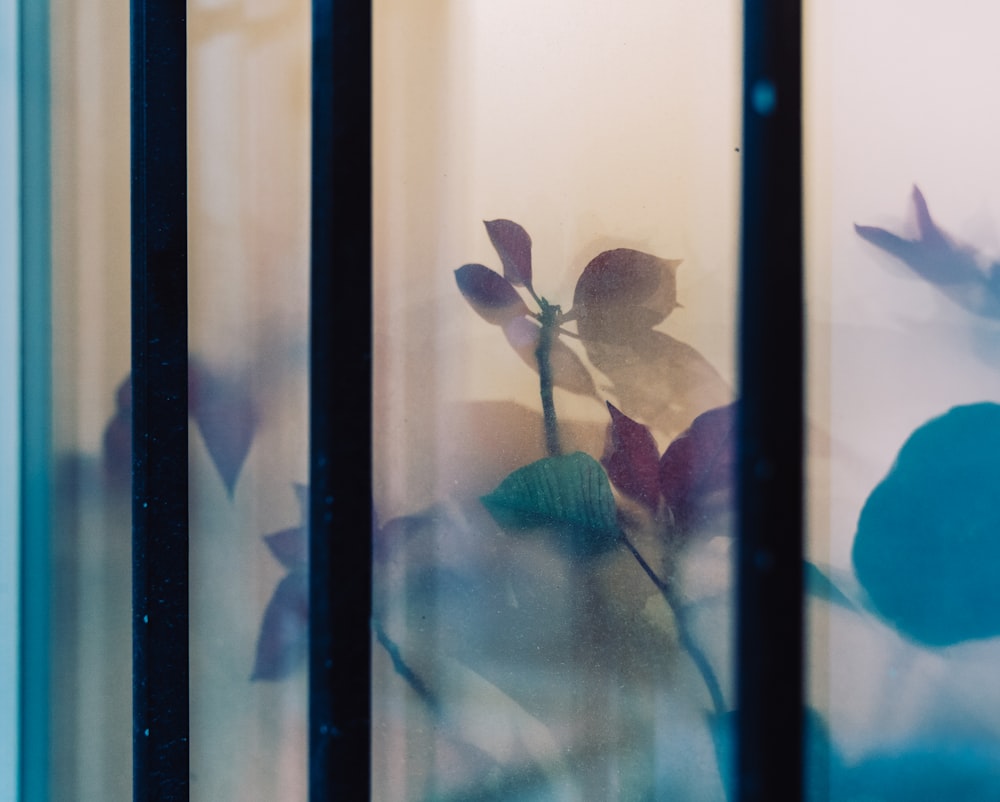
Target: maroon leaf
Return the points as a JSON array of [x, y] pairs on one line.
[[568, 370], [514, 246], [622, 293], [224, 411], [490, 294], [632, 459], [696, 470], [284, 630], [290, 547]]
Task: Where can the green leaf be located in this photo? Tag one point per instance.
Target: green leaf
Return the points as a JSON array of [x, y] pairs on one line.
[[568, 495]]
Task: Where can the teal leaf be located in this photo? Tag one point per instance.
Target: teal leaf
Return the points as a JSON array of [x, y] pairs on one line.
[[569, 496], [927, 548]]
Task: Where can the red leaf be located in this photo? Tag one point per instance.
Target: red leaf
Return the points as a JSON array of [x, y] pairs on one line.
[[514, 246], [224, 411], [622, 293], [490, 294], [568, 370], [290, 547], [632, 459], [698, 467], [284, 630]]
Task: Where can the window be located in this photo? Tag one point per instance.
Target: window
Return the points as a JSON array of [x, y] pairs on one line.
[[505, 240]]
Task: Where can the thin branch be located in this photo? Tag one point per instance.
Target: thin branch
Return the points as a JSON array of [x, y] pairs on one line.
[[402, 668], [568, 333], [687, 641], [541, 303], [550, 314]]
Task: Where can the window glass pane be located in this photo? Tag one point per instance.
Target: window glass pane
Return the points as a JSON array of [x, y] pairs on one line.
[[90, 637], [903, 190], [522, 650], [249, 212]]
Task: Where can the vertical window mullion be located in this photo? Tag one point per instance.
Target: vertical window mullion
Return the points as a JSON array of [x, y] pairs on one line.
[[159, 401], [770, 606], [340, 404]]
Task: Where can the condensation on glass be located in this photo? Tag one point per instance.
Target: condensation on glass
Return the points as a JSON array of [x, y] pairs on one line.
[[523, 651], [902, 188]]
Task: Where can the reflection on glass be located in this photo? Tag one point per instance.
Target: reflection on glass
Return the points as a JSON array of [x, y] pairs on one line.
[[904, 278], [553, 408]]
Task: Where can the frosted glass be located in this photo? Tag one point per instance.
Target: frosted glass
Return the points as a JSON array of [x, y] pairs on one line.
[[546, 664], [248, 180], [903, 384]]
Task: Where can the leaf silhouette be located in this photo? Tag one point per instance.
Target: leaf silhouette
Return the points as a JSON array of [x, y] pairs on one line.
[[622, 292], [632, 459], [302, 496], [117, 439], [927, 549], [222, 406], [936, 766], [568, 370], [937, 258], [568, 495], [662, 381], [290, 547], [700, 464], [514, 246], [490, 294], [820, 585], [284, 630]]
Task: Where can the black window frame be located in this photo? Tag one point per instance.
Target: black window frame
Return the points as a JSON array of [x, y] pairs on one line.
[[770, 640]]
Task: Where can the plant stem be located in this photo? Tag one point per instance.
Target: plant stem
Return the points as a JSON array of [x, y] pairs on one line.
[[548, 319], [698, 657], [402, 668]]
